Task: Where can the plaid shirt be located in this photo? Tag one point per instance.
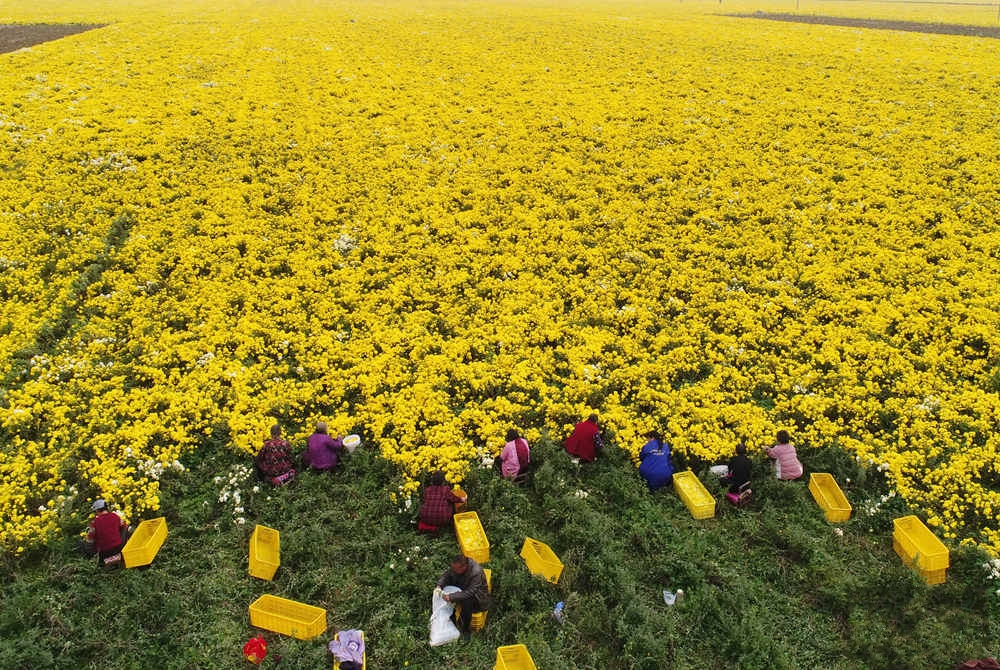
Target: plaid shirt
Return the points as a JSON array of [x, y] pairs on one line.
[[438, 505], [275, 458]]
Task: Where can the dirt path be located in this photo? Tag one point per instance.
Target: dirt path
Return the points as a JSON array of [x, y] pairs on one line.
[[19, 36], [880, 24]]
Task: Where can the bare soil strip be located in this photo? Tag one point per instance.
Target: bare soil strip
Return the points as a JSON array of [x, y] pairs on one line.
[[20, 35], [881, 24]]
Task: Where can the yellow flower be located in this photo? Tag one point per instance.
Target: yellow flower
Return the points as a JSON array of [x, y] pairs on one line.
[[429, 252]]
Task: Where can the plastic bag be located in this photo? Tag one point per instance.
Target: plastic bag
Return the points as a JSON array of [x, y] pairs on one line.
[[255, 650], [673, 598], [443, 629], [348, 646]]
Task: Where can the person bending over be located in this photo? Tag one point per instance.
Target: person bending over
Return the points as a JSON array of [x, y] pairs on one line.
[[474, 596], [786, 462], [107, 532], [274, 462], [438, 505], [322, 451], [515, 455], [655, 465], [585, 440], [739, 469]]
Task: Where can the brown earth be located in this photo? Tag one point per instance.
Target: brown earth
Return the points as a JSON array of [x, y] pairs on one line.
[[20, 35], [880, 24]]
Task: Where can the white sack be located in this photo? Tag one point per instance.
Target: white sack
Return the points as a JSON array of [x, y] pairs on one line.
[[443, 629]]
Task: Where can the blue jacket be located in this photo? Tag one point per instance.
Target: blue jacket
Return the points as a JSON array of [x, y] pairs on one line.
[[656, 468]]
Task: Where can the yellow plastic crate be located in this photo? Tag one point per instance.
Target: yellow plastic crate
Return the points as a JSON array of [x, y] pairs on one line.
[[829, 497], [929, 576], [364, 657], [514, 657], [918, 545], [145, 542], [287, 617], [478, 619], [472, 537], [933, 576], [265, 552], [541, 560], [696, 497]]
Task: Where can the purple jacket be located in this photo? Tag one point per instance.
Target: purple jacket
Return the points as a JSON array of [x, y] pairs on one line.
[[322, 452]]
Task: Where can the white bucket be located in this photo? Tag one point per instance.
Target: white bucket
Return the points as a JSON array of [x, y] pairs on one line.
[[352, 442]]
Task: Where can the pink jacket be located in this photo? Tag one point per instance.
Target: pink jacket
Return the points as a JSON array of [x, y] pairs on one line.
[[511, 465], [788, 464]]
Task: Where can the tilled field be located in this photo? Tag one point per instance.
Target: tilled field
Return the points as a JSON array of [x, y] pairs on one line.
[[19, 36], [881, 24]]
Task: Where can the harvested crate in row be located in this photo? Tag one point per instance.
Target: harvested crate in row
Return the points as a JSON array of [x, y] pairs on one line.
[[471, 537], [265, 552], [541, 560], [287, 617], [829, 497], [145, 542], [696, 497]]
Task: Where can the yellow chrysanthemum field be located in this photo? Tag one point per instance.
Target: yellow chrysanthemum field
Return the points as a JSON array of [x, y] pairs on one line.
[[429, 221]]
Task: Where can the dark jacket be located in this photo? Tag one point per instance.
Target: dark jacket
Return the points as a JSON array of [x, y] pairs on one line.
[[739, 472], [473, 585]]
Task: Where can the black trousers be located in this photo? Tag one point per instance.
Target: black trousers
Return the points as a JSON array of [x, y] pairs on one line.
[[463, 617]]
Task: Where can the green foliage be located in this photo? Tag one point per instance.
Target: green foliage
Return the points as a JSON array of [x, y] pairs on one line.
[[771, 586]]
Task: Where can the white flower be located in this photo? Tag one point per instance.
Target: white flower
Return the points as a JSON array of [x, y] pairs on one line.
[[839, 532], [241, 521], [256, 489]]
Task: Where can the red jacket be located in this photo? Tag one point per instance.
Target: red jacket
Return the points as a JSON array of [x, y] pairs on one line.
[[106, 531], [581, 442]]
